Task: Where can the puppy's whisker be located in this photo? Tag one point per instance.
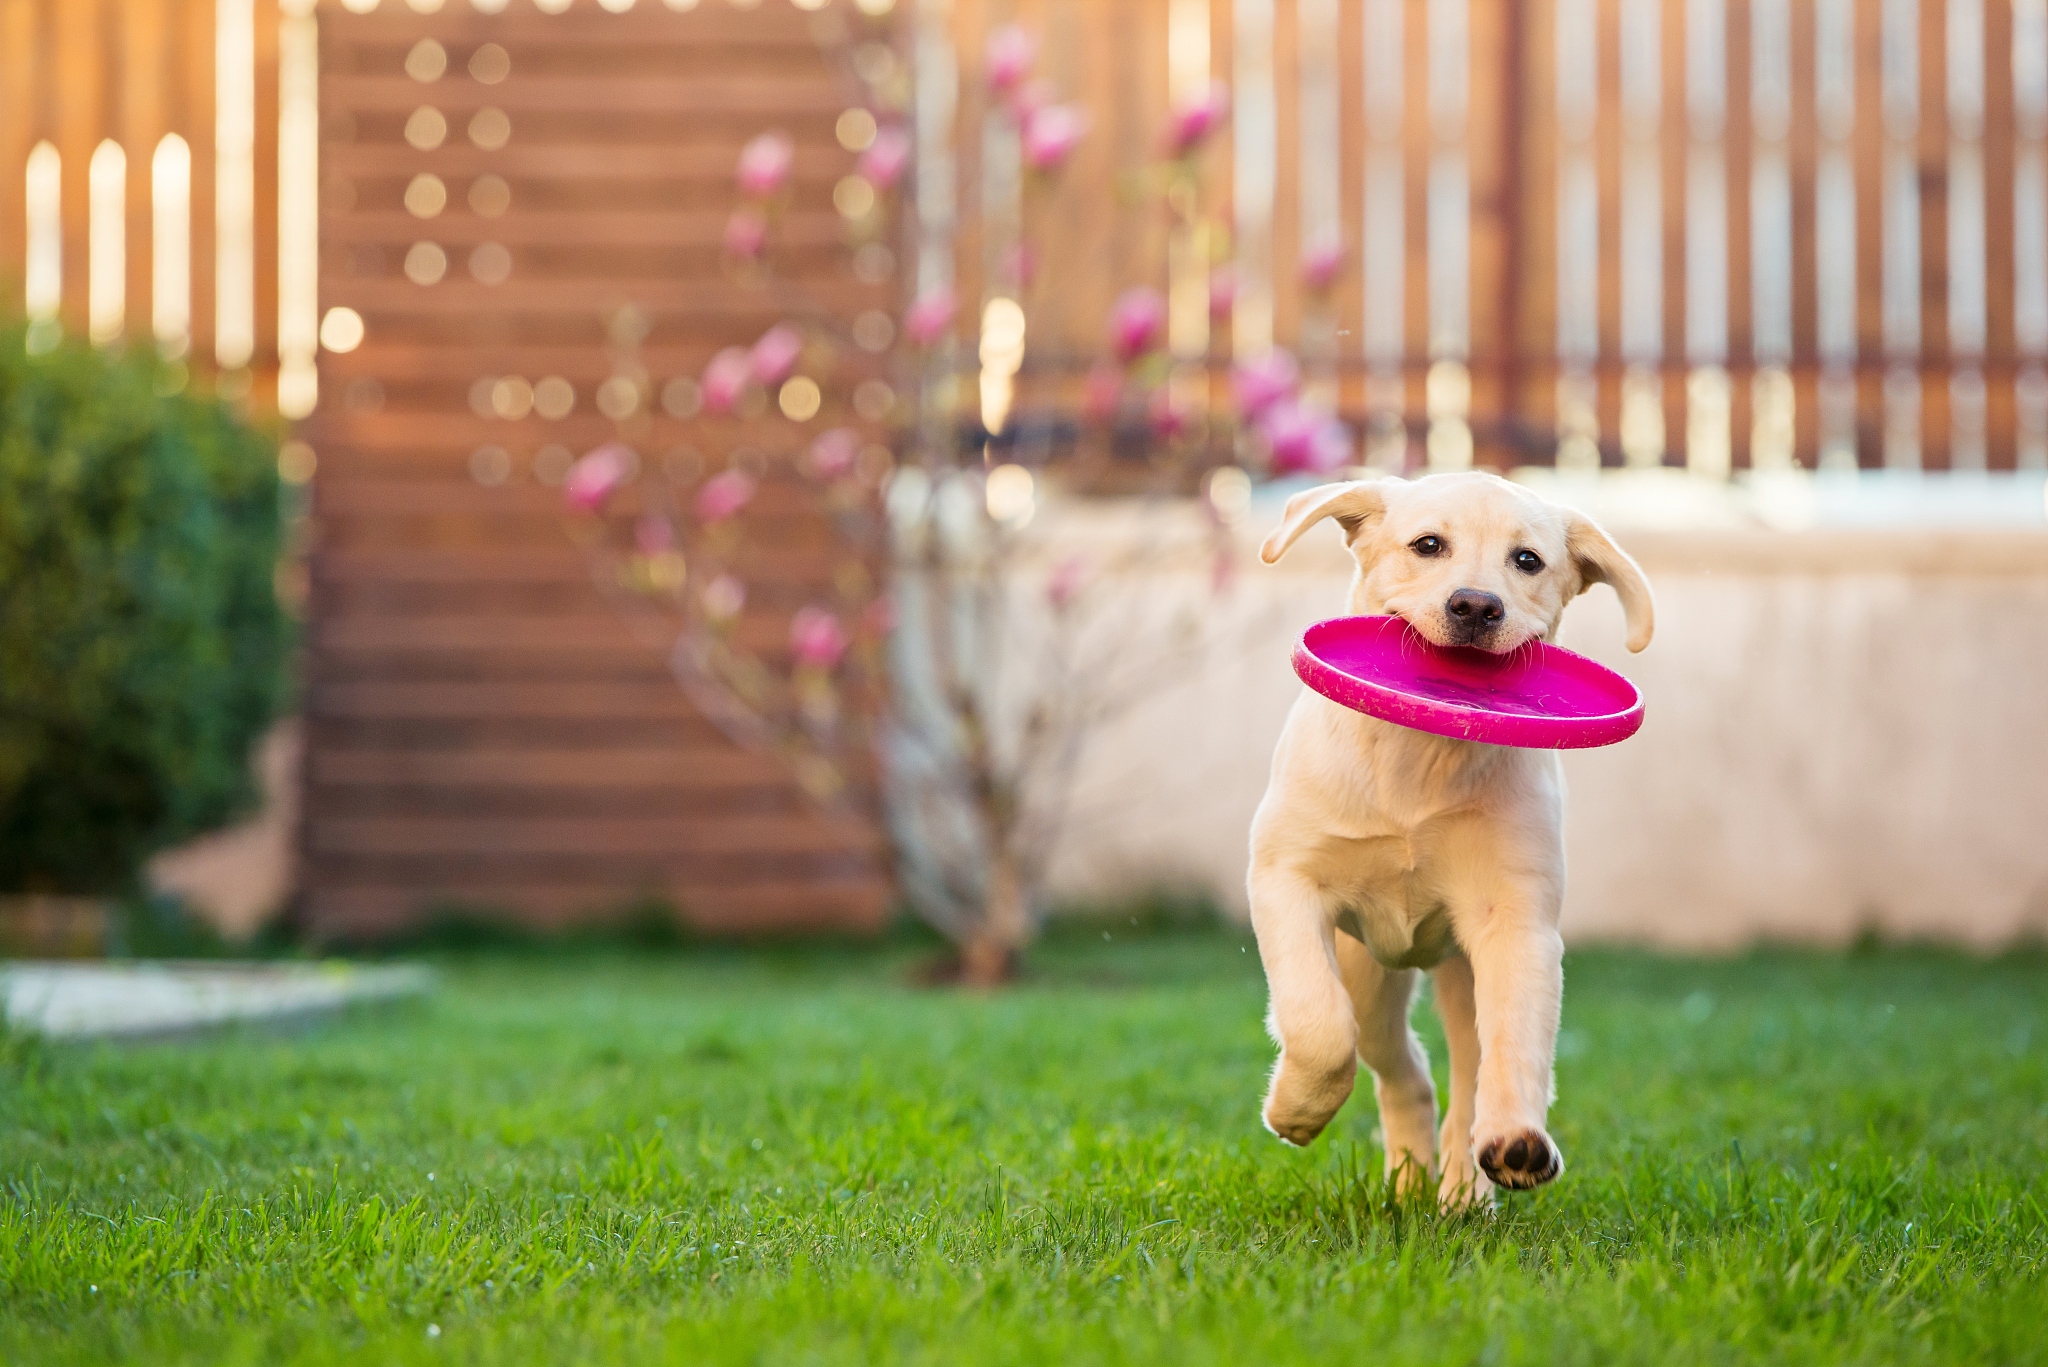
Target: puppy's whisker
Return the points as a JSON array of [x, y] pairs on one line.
[[1412, 643]]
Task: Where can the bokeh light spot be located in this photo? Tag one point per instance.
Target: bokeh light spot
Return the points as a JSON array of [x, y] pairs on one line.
[[682, 397], [853, 197], [490, 196], [618, 398], [426, 263], [341, 330], [511, 398], [296, 462], [490, 128], [490, 64], [490, 263], [425, 196], [1011, 495], [1230, 492], [800, 399], [873, 399], [554, 398], [427, 60], [489, 465], [874, 330], [855, 130], [873, 264], [426, 129]]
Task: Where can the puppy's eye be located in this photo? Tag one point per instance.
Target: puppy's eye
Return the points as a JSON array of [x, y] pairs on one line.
[[1426, 546], [1527, 561]]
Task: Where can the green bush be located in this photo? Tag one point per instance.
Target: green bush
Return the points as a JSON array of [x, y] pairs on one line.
[[142, 647]]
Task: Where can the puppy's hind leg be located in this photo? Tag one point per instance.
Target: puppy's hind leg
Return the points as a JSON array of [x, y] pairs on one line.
[[1463, 1183], [1381, 998], [1309, 1015]]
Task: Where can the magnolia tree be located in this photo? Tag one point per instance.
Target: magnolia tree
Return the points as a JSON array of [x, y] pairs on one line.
[[973, 634]]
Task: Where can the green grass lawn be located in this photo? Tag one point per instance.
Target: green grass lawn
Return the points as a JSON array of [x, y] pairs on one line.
[[792, 1156]]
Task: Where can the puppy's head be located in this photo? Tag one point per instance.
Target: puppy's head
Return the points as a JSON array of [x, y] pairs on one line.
[[1469, 559]]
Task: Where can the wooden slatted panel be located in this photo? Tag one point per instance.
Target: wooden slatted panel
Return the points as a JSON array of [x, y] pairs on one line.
[[145, 71], [1113, 59], [484, 726], [82, 51], [78, 72], [20, 125]]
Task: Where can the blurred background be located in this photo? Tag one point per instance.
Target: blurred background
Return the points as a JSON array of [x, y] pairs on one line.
[[1763, 284]]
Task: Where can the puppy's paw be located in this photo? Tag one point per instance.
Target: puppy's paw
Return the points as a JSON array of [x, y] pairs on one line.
[[1300, 1103], [1464, 1187], [1521, 1160], [1409, 1172]]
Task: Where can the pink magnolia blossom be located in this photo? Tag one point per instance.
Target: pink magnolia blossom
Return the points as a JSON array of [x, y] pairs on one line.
[[654, 534], [1168, 416], [1051, 134], [1065, 583], [591, 480], [1011, 51], [1261, 383], [776, 354], [1304, 440], [887, 158], [1103, 394], [726, 378], [765, 163], [816, 638], [723, 495], [1190, 124], [1321, 265], [929, 316], [834, 452], [1137, 322], [1222, 293], [746, 233], [724, 597]]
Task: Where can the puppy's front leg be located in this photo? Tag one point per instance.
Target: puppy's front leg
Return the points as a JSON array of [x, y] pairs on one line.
[[1518, 985], [1310, 1013]]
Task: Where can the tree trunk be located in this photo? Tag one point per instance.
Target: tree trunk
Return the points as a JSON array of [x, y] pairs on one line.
[[989, 957]]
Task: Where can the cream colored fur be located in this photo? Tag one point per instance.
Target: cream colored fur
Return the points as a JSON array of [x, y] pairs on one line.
[[1431, 854]]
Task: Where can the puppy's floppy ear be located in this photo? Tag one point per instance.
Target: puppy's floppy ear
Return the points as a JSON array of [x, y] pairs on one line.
[[1600, 561], [1353, 505]]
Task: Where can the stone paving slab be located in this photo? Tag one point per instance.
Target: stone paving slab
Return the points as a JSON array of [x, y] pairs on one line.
[[153, 998]]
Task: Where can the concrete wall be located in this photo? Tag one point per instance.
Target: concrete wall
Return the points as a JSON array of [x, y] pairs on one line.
[[1845, 729]]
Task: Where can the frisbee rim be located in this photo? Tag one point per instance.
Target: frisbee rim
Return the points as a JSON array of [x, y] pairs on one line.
[[1420, 713]]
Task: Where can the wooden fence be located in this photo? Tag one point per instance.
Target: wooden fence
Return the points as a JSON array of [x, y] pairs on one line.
[[1721, 233], [1717, 233], [484, 213], [139, 157]]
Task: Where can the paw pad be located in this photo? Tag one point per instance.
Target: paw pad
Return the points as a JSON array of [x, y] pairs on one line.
[[1522, 1161]]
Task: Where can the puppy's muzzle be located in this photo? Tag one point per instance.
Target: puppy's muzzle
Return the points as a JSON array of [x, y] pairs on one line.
[[1473, 615]]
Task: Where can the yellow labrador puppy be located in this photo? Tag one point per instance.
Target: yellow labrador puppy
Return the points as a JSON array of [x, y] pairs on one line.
[[1427, 853]]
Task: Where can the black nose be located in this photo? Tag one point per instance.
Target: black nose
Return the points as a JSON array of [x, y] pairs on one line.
[[1473, 612]]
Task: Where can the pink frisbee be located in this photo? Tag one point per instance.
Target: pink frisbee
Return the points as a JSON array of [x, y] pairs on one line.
[[1540, 697]]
